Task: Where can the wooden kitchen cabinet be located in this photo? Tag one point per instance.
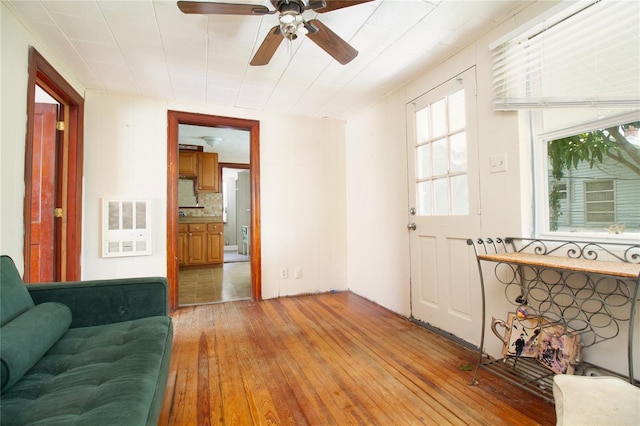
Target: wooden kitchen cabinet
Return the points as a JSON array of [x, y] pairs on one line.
[[188, 163], [208, 172], [203, 166], [215, 243], [183, 247], [200, 243], [197, 244]]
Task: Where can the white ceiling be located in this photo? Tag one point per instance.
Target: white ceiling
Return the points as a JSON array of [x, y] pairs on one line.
[[150, 48], [232, 145]]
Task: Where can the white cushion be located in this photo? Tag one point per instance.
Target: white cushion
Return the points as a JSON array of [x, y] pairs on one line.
[[595, 400]]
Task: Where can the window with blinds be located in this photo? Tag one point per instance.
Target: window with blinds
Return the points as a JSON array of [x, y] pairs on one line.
[[585, 55]]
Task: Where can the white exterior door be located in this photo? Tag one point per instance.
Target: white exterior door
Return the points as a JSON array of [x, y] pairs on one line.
[[444, 193]]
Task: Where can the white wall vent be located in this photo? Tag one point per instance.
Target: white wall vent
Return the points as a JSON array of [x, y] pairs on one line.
[[126, 230]]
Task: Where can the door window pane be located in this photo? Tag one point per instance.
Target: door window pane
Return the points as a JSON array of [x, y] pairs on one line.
[[424, 198], [441, 197], [423, 160], [438, 118], [457, 116], [422, 126], [460, 194], [441, 157], [458, 147]]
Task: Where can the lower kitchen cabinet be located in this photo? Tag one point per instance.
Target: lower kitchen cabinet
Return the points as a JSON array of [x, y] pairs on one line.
[[200, 243], [215, 243]]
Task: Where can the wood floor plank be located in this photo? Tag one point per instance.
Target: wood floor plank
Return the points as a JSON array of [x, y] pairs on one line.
[[406, 364], [362, 364], [327, 359]]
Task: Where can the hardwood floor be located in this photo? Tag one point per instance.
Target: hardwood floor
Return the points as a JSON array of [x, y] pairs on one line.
[[327, 359]]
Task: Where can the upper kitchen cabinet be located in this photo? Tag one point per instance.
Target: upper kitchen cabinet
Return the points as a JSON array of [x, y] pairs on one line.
[[208, 180], [188, 163], [203, 166]]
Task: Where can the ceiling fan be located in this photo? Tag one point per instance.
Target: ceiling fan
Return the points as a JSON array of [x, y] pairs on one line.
[[291, 24]]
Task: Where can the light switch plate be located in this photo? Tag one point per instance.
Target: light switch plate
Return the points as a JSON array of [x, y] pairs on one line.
[[498, 163]]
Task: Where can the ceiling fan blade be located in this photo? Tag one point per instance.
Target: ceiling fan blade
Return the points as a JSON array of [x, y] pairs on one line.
[[210, 8], [268, 47], [339, 4], [331, 43]]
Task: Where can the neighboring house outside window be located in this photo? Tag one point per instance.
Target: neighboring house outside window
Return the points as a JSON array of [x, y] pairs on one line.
[[594, 181]]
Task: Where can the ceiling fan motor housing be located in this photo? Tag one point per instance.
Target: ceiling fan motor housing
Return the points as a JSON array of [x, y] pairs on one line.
[[291, 21]]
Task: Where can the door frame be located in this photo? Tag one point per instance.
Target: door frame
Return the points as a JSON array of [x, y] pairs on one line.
[[41, 73], [174, 119]]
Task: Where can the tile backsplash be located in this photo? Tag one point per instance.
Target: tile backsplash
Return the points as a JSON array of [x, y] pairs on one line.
[[211, 205]]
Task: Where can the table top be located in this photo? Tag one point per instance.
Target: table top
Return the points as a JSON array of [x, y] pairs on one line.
[[603, 267]]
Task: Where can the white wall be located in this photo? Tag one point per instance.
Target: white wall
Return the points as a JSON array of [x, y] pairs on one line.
[[302, 194], [377, 203]]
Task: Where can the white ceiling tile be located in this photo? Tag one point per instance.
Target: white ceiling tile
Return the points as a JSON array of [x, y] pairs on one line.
[[222, 95], [227, 65], [87, 9], [239, 27], [116, 77], [99, 53], [186, 65], [88, 30], [253, 97], [33, 12], [230, 47]]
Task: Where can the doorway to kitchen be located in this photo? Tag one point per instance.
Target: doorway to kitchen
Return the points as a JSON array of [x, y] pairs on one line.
[[210, 160]]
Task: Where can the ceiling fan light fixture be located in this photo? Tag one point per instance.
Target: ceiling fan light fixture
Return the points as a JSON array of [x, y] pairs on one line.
[[302, 30], [290, 23], [287, 18]]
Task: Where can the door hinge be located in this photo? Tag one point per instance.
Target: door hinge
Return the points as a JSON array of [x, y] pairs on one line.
[[60, 125], [57, 212]]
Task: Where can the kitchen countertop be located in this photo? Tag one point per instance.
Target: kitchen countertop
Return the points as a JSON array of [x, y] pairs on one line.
[[199, 219]]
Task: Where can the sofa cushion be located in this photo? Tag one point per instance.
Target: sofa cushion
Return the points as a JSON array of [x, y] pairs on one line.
[[595, 400], [15, 297], [109, 375], [25, 339]]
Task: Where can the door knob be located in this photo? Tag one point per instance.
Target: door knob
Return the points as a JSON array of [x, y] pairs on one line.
[[411, 226]]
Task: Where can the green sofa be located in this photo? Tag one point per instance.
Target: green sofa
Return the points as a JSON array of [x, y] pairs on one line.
[[83, 353]]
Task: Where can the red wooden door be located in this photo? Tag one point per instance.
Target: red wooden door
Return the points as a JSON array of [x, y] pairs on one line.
[[43, 177]]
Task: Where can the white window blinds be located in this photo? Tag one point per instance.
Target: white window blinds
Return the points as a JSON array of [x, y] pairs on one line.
[[588, 55]]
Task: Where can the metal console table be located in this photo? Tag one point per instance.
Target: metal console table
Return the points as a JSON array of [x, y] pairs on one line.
[[586, 288]]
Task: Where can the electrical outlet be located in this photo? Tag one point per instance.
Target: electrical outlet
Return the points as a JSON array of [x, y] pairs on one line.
[[284, 274], [298, 273]]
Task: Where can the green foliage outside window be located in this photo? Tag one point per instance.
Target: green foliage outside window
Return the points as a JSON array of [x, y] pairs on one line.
[[618, 143]]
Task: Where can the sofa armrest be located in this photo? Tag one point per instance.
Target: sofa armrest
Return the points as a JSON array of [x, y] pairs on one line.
[[106, 301]]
